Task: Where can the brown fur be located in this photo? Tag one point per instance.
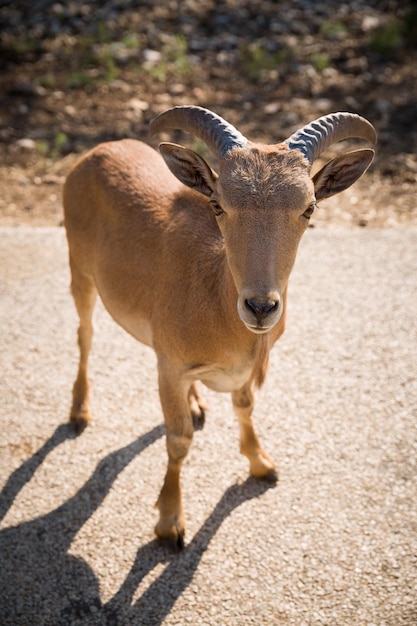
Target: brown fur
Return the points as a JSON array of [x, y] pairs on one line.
[[207, 292]]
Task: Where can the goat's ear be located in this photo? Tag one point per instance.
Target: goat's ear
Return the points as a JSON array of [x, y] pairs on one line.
[[189, 168], [341, 172]]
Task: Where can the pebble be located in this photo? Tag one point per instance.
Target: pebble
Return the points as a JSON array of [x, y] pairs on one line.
[[26, 144]]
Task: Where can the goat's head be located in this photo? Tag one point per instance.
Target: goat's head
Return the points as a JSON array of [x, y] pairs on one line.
[[263, 195]]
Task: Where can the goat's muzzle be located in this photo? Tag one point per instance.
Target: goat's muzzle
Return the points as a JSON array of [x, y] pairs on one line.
[[260, 314]]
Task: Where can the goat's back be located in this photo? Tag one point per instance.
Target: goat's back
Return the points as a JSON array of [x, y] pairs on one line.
[[149, 243], [115, 185]]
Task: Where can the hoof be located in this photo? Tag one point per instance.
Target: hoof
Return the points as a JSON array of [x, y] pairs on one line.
[[198, 407], [199, 419], [80, 418], [263, 467], [78, 425], [174, 541], [271, 476]]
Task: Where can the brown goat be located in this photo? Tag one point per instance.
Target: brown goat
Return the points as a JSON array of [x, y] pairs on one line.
[[196, 264]]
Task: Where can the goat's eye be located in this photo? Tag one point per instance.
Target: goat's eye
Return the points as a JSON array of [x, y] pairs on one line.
[[217, 209], [309, 211]]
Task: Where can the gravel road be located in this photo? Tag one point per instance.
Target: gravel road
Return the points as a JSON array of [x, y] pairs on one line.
[[334, 542]]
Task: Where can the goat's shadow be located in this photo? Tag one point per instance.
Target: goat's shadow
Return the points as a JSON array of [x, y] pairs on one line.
[[40, 580]]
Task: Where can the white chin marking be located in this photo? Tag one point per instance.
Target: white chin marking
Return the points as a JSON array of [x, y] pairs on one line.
[[256, 330]]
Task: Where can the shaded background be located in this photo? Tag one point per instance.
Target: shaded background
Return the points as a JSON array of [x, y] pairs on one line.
[[77, 73]]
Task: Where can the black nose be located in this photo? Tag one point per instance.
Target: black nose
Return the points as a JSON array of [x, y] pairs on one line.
[[261, 308]]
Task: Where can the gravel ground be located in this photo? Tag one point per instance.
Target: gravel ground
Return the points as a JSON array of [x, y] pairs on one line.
[[335, 542]]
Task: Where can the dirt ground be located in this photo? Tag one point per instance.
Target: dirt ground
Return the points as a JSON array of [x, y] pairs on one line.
[[78, 74]]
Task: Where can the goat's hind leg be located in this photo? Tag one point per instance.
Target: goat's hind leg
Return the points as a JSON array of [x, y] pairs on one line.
[[261, 464], [84, 293]]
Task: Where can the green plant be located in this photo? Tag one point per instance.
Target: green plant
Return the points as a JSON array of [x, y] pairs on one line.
[[52, 150], [174, 59], [409, 27], [387, 39], [81, 79], [200, 148], [58, 146], [48, 80], [320, 61], [257, 61], [95, 64], [397, 34], [102, 34], [92, 58], [175, 53], [131, 41], [42, 147], [333, 30], [21, 46], [108, 65]]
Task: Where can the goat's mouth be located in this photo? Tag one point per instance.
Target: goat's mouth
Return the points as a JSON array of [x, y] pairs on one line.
[[258, 330]]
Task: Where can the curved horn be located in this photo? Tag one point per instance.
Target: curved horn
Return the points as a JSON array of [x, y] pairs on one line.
[[217, 134], [320, 134]]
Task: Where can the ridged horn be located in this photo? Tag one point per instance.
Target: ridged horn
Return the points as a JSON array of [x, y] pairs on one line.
[[315, 137], [217, 134]]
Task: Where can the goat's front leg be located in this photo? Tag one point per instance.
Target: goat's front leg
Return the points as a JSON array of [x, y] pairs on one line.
[[173, 392], [261, 464]]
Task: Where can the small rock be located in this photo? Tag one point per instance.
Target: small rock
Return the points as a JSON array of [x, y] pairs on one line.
[[27, 88], [177, 88], [272, 108], [370, 22], [138, 105], [58, 9], [26, 144], [52, 179], [151, 56], [70, 110], [290, 119], [323, 105]]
